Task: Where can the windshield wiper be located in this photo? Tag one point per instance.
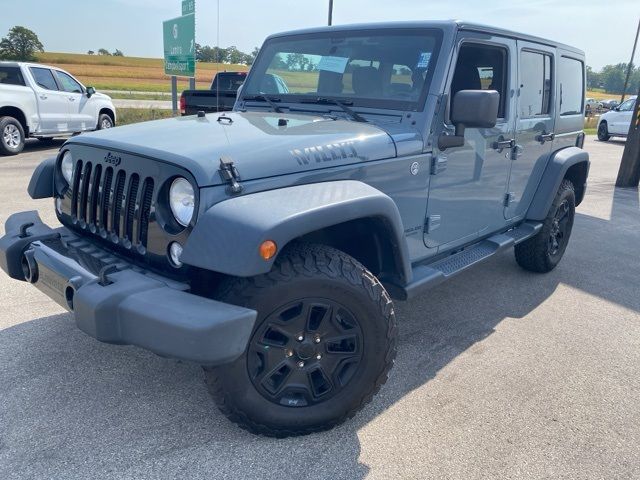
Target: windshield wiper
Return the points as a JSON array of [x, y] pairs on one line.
[[264, 98], [343, 105]]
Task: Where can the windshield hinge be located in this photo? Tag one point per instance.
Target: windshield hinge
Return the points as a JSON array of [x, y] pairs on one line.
[[230, 174]]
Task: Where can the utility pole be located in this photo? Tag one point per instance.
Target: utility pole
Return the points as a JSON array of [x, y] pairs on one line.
[[633, 53], [629, 172], [330, 21]]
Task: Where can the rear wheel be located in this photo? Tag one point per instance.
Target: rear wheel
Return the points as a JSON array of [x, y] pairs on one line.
[[323, 344], [544, 251], [11, 136], [603, 132]]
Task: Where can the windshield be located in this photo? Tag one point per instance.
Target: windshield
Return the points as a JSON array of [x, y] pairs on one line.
[[380, 69]]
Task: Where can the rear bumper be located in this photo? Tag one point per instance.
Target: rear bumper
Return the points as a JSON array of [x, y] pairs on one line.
[[124, 305]]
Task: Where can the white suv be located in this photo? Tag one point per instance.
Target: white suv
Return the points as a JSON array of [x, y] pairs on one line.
[[616, 122], [45, 102]]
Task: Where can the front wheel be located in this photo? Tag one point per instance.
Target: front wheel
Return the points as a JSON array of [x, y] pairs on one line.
[[603, 132], [542, 252], [11, 136], [323, 344], [104, 122]]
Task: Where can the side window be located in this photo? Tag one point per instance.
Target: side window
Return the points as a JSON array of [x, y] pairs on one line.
[[11, 76], [535, 84], [482, 67], [627, 105], [44, 78], [68, 83], [571, 86]]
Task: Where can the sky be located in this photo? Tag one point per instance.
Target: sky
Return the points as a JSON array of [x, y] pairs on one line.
[[604, 29]]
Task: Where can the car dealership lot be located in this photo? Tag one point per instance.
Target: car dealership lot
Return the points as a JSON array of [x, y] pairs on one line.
[[500, 374]]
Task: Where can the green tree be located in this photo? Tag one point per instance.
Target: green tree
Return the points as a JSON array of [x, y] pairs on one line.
[[91, 52], [252, 56], [103, 51], [20, 44], [118, 53]]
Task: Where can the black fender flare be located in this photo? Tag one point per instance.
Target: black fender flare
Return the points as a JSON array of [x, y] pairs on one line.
[[41, 184], [226, 238], [556, 170]]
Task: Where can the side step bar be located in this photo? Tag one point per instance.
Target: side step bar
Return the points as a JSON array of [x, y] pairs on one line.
[[429, 275]]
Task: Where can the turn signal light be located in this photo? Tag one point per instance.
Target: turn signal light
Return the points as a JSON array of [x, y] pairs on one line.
[[268, 249]]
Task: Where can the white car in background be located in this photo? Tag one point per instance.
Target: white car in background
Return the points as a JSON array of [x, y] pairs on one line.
[[616, 122], [45, 102]]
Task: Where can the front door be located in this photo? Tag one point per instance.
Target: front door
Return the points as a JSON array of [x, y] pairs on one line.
[[468, 183], [81, 116], [53, 104], [534, 126], [620, 119]]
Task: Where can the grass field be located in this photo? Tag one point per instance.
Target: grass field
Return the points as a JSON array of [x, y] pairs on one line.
[[129, 73], [127, 116]]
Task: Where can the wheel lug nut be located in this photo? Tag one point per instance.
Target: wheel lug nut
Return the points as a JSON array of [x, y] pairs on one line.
[[319, 356], [300, 338], [289, 353], [317, 339], [301, 364]]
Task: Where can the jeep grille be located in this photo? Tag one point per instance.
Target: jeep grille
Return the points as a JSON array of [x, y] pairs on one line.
[[112, 203]]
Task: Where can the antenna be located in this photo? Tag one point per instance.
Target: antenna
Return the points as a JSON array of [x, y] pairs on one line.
[[217, 80], [330, 20]]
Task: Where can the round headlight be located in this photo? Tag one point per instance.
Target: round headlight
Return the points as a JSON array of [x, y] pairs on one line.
[[66, 166], [182, 200]]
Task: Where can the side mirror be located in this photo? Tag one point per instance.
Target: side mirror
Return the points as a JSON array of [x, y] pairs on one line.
[[471, 109], [617, 109], [90, 92]]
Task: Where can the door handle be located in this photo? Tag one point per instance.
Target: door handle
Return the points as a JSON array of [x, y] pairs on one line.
[[545, 137], [501, 144], [43, 97], [72, 99]]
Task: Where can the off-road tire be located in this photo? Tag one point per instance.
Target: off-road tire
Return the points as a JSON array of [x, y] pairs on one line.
[[536, 253], [603, 132], [308, 271], [16, 130]]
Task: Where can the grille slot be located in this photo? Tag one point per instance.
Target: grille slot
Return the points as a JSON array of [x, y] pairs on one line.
[[112, 203], [118, 193], [132, 196]]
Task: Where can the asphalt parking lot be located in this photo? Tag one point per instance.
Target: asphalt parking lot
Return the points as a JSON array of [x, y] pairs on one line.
[[500, 374]]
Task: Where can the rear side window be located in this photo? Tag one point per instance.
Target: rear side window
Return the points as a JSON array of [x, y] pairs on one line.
[[571, 86], [11, 76], [44, 78], [535, 84]]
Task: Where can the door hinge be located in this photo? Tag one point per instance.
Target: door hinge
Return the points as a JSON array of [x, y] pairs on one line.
[[438, 164], [508, 198], [433, 223], [230, 174]]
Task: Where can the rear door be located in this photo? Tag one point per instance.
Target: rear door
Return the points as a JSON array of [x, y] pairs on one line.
[[53, 104], [534, 125]]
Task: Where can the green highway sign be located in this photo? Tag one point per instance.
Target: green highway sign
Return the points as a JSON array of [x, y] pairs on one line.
[[179, 35], [188, 6]]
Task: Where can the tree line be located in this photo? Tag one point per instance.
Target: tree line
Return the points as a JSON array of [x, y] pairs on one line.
[[205, 53], [611, 78]]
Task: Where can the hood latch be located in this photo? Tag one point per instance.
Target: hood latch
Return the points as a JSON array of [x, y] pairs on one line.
[[230, 174]]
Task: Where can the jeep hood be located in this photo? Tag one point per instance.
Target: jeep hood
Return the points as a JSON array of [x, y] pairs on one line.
[[259, 144]]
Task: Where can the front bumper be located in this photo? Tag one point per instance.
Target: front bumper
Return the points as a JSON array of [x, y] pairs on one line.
[[116, 302]]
